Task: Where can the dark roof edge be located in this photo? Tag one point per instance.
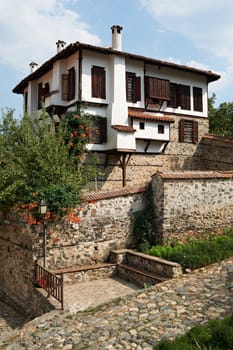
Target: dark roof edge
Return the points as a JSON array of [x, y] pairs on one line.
[[72, 48]]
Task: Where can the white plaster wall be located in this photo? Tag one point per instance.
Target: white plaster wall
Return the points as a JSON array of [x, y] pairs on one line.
[[150, 130]]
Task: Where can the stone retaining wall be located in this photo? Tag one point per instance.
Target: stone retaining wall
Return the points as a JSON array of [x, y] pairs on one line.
[[190, 203], [106, 224], [216, 153]]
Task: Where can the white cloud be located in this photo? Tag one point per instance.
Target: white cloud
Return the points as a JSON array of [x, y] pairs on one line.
[[206, 24], [30, 28]]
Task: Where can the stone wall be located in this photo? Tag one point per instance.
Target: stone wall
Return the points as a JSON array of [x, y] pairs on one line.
[[191, 203], [177, 156], [106, 224], [216, 153]]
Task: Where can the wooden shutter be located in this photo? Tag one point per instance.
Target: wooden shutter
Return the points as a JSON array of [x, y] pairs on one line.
[[98, 82], [181, 130], [65, 87], [174, 95], [157, 88], [184, 96], [197, 99], [71, 84], [133, 87], [137, 89], [195, 132], [188, 131]]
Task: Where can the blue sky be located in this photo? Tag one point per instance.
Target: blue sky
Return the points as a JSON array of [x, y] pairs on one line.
[[196, 33]]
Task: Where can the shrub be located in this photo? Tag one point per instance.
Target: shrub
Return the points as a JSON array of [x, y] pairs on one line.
[[197, 253], [215, 335]]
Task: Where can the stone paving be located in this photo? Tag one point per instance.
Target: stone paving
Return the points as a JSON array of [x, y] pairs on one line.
[[137, 321]]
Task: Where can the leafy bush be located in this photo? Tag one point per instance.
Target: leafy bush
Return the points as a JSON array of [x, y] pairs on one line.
[[215, 335], [43, 160], [197, 253]]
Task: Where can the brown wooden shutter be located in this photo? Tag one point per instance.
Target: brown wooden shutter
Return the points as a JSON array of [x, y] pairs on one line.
[[197, 99], [195, 132], [137, 89], [157, 88], [181, 130], [184, 96], [98, 78], [65, 87], [71, 84]]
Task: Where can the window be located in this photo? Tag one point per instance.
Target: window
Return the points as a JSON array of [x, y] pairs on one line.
[[141, 125], [179, 96], [98, 130], [98, 82], [160, 129], [133, 87], [68, 85], [188, 131], [158, 89], [197, 99]]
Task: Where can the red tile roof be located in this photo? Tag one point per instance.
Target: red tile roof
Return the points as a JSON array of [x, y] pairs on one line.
[[123, 128], [195, 174], [218, 138], [147, 116], [95, 196]]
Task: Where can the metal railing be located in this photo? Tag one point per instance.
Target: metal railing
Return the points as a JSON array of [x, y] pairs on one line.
[[53, 284]]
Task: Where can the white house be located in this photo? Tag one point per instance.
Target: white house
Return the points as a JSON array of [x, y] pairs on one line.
[[135, 99]]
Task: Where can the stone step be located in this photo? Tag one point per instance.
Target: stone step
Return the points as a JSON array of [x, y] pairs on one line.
[[139, 276]]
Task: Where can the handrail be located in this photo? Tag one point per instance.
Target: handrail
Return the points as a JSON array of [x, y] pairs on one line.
[[50, 282]]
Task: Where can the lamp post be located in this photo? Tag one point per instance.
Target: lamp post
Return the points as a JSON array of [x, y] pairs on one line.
[[43, 211]]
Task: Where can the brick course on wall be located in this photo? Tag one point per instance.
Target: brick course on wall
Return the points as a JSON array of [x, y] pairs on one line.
[[187, 203]]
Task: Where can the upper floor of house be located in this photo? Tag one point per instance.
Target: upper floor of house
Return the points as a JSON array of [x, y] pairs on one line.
[[134, 98]]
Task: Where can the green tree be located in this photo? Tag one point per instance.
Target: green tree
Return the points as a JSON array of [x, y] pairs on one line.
[[220, 118], [39, 159]]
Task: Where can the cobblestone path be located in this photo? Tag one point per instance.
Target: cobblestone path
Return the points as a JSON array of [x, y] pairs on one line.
[[137, 321]]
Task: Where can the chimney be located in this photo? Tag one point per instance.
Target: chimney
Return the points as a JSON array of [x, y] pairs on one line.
[[116, 37], [33, 66], [60, 45]]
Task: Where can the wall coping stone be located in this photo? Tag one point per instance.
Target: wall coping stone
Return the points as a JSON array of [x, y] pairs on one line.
[[146, 256], [195, 175], [95, 196], [217, 138]]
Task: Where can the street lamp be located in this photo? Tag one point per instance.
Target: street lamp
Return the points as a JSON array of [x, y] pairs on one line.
[[43, 207], [43, 211]]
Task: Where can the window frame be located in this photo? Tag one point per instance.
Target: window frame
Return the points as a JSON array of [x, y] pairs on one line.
[[133, 87], [188, 131], [98, 82]]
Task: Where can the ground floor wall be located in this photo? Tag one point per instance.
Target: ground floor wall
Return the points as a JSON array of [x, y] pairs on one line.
[[189, 204], [141, 166]]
